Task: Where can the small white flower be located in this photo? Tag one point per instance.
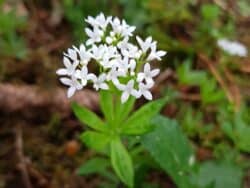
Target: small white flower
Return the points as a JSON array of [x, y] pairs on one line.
[[132, 51], [144, 90], [109, 39], [147, 74], [132, 66], [95, 36], [73, 84], [99, 83], [123, 45], [72, 54], [155, 54], [69, 69], [84, 55], [127, 30], [113, 74], [83, 75], [102, 22], [145, 45], [98, 52], [122, 28], [232, 47], [128, 90], [123, 65]]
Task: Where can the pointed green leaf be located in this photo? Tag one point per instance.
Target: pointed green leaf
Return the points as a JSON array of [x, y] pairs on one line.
[[122, 163], [123, 109], [139, 122], [95, 140], [92, 166], [89, 118], [107, 106], [171, 150], [218, 174]]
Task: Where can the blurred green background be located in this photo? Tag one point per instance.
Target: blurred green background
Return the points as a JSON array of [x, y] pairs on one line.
[[39, 132]]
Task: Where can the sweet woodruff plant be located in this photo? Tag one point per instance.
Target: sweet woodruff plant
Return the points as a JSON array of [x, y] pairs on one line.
[[124, 74]]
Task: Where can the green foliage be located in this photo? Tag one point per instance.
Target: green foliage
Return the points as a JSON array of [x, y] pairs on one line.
[[218, 175], [139, 122], [209, 89], [89, 118], [170, 148], [123, 110], [188, 76], [76, 11], [94, 165], [95, 140], [178, 161], [11, 44], [184, 33], [210, 12], [237, 128], [122, 163], [107, 105]]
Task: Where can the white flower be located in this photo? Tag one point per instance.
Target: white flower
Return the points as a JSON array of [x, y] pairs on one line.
[[98, 52], [83, 75], [84, 55], [69, 69], [144, 90], [99, 83], [147, 74], [232, 47], [145, 45], [155, 54], [122, 28], [102, 22], [131, 51], [73, 84], [123, 45], [132, 66], [127, 30], [109, 48], [94, 35], [113, 74], [72, 54], [128, 90], [123, 65]]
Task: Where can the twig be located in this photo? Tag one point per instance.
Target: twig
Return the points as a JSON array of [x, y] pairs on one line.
[[190, 97], [234, 88], [22, 160], [217, 76], [28, 101]]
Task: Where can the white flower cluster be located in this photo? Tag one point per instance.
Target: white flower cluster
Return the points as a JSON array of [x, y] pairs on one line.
[[232, 47], [121, 63]]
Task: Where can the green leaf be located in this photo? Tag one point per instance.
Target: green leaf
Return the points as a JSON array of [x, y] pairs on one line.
[[122, 163], [107, 106], [188, 76], [219, 175], [92, 166], [95, 140], [139, 122], [171, 150], [210, 11], [89, 118], [123, 109]]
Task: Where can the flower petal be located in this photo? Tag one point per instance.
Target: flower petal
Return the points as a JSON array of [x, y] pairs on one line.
[[71, 92], [124, 97], [62, 71]]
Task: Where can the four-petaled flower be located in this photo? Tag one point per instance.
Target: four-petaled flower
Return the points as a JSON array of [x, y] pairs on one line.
[[128, 90], [147, 74]]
